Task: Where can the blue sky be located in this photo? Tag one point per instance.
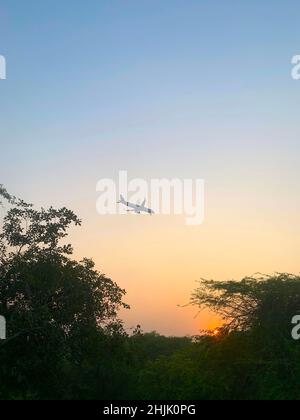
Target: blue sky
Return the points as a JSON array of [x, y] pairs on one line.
[[162, 88], [169, 82], [76, 72]]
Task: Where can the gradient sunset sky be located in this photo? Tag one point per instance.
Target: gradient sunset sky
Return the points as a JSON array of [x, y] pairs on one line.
[[162, 89]]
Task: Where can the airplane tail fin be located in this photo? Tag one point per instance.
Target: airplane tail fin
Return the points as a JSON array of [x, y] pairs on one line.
[[122, 199]]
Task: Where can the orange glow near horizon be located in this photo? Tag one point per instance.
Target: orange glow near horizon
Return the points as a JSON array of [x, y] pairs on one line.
[[159, 260]]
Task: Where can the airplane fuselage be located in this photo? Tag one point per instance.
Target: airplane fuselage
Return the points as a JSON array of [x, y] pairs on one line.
[[136, 208]]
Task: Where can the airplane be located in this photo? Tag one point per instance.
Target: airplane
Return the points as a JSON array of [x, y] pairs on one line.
[[136, 208]]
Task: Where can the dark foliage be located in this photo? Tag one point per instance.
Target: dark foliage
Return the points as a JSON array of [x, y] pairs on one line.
[[65, 340]]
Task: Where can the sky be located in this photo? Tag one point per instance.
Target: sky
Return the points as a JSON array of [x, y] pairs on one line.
[[162, 89]]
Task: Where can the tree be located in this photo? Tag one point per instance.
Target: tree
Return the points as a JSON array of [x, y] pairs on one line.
[[58, 311], [254, 302], [255, 348], [4, 194]]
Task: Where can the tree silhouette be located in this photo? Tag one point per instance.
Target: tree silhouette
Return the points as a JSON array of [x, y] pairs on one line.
[[56, 308]]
